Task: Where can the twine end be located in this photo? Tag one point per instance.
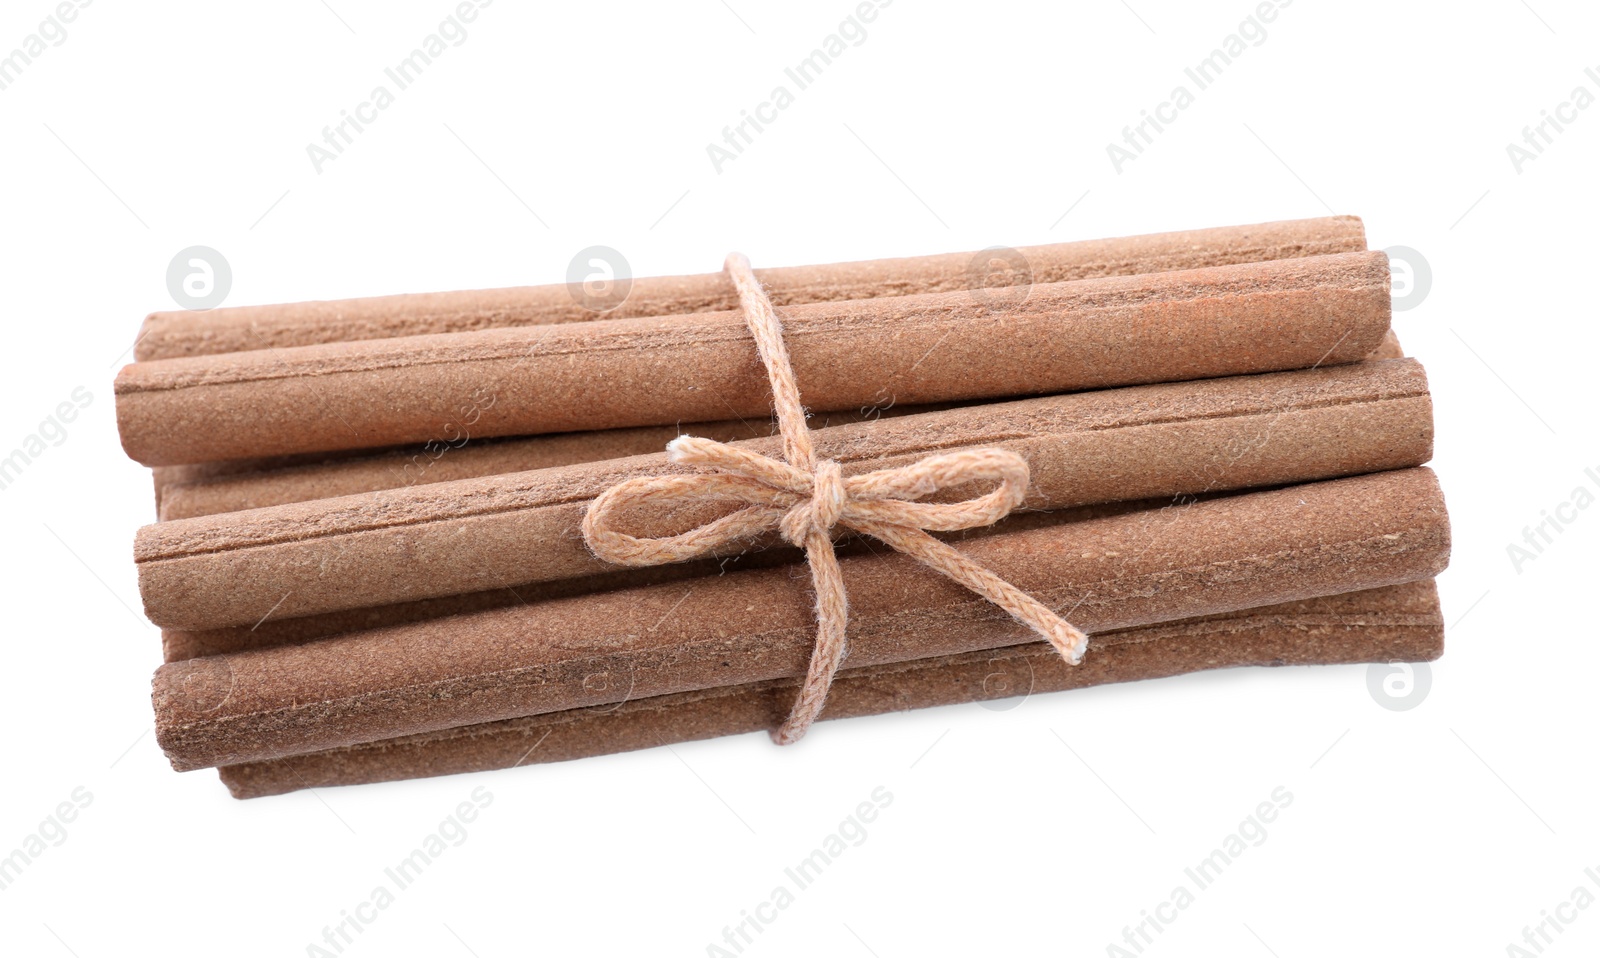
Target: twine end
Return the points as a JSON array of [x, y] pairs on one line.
[[692, 450], [786, 735], [1074, 647]]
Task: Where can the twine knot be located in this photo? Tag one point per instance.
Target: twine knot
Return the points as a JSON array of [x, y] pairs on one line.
[[822, 511], [804, 499]]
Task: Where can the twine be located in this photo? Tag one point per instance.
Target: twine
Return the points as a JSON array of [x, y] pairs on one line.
[[804, 499]]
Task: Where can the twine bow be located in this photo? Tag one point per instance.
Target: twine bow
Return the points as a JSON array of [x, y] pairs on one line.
[[805, 499]]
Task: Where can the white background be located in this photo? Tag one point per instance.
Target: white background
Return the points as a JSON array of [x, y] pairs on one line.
[[1444, 829]]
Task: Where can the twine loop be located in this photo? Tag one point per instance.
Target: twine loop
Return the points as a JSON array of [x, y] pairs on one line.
[[805, 499]]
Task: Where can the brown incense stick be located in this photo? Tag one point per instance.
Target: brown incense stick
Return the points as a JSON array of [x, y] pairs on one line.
[[184, 492], [325, 477], [936, 347], [1151, 566], [170, 334], [492, 532], [1396, 623]]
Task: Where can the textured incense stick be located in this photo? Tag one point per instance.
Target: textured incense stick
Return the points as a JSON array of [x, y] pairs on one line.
[[233, 329], [1397, 623], [492, 532], [1145, 567], [349, 474], [203, 489], [936, 347], [180, 644]]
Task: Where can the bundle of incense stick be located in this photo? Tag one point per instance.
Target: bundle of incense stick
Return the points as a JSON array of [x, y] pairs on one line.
[[369, 564]]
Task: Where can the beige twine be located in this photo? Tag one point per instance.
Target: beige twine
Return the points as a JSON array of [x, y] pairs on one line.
[[804, 499]]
